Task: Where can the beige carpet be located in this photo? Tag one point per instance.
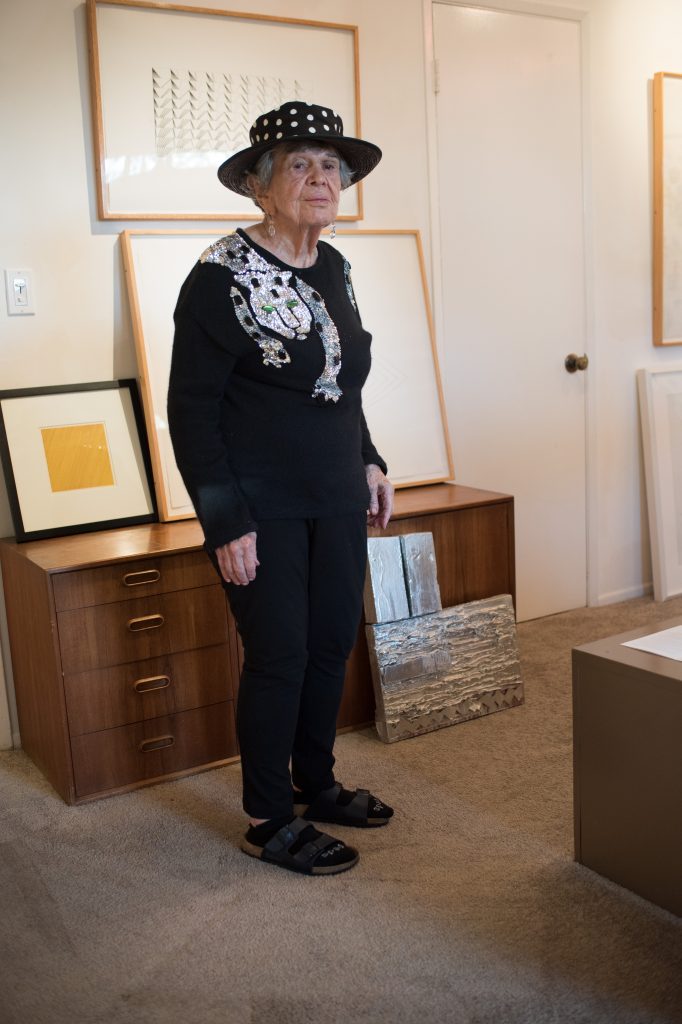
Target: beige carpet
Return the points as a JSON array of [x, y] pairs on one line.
[[468, 908]]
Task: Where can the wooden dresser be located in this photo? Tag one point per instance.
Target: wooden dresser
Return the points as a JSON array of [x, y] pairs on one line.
[[126, 658]]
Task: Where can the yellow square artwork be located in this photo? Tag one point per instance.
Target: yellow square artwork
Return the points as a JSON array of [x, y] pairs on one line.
[[77, 456]]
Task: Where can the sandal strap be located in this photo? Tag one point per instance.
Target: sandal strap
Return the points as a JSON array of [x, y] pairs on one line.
[[359, 805], [277, 848], [286, 837], [326, 803]]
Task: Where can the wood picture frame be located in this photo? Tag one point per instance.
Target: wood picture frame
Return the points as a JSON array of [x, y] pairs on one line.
[[403, 399], [660, 400], [174, 90], [75, 458], [667, 255]]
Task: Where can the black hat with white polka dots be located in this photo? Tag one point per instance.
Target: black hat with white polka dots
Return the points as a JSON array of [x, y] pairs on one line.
[[298, 122]]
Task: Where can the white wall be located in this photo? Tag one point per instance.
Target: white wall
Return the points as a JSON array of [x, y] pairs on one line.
[[630, 41], [82, 329]]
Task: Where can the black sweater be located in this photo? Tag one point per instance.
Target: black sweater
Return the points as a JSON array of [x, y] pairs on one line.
[[264, 402]]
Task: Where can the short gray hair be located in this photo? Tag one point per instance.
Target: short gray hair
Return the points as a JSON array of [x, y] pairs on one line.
[[264, 166]]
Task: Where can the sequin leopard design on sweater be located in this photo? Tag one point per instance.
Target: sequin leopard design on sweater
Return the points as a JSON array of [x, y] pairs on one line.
[[284, 309]]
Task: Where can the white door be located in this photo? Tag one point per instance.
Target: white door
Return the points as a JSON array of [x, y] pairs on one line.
[[510, 195]]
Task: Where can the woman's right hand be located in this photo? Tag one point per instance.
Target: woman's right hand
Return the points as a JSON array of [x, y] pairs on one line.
[[237, 560]]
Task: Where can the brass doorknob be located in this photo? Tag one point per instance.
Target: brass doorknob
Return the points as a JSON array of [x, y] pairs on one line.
[[574, 362]]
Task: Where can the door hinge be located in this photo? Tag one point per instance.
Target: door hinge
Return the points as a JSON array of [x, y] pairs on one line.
[[436, 76]]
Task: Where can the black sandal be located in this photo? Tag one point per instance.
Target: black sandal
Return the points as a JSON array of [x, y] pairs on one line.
[[340, 807], [299, 846]]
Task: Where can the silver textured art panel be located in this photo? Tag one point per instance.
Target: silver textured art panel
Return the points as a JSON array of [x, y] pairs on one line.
[[444, 668], [385, 593], [419, 561]]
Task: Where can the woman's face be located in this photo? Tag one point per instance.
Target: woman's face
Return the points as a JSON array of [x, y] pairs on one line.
[[305, 188]]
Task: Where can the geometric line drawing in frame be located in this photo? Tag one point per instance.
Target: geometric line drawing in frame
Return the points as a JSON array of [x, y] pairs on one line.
[[660, 403], [174, 90], [667, 213], [210, 112], [113, 490], [385, 264]]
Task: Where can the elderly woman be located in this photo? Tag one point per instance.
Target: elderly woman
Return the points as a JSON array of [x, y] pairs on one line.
[[265, 413]]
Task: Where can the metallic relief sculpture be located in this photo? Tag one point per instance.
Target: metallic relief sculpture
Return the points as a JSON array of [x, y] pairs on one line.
[[385, 589], [442, 667], [419, 560]]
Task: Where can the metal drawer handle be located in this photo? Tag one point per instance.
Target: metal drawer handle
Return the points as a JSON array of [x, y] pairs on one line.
[[151, 683], [158, 743], [136, 579], [145, 622]]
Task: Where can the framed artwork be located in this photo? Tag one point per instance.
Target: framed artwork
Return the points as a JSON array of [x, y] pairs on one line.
[[75, 458], [403, 398], [175, 90], [444, 667], [667, 304], [660, 400]]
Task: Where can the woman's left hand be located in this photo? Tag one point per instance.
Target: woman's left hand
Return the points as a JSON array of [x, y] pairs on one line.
[[380, 497]]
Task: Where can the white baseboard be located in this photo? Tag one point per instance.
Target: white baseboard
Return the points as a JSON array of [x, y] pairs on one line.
[[626, 594]]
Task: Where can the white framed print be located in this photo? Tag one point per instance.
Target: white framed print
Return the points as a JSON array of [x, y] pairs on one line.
[[660, 400], [403, 399], [175, 89]]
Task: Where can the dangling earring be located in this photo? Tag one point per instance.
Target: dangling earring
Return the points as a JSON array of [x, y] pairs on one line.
[[270, 229], [332, 233]]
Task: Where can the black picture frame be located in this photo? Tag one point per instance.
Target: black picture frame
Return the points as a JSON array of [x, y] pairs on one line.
[[37, 511]]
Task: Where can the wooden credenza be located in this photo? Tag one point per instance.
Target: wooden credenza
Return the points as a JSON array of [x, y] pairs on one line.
[[126, 658]]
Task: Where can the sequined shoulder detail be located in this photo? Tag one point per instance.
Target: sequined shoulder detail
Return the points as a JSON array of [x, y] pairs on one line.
[[216, 252]]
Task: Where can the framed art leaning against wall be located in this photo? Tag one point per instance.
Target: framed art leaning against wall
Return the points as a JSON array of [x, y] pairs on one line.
[[403, 399], [174, 91], [75, 458], [660, 401], [667, 305]]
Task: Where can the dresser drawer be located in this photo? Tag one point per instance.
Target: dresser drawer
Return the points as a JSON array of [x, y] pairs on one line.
[[113, 634], [148, 750], [108, 697], [123, 581]]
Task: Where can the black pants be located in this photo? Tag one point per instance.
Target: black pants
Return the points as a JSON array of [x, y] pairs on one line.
[[298, 621]]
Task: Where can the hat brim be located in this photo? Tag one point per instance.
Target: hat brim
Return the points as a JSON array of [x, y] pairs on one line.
[[362, 157]]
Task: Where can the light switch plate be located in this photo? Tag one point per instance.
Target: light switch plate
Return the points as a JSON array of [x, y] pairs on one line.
[[20, 292]]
